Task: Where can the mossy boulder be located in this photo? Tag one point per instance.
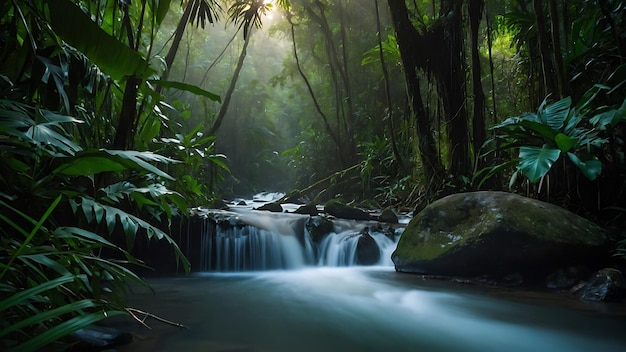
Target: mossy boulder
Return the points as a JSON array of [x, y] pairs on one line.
[[495, 234]]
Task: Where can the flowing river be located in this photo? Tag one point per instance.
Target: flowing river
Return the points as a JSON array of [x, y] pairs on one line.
[[294, 296]]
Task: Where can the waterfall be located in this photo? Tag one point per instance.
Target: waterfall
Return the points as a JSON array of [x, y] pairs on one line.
[[248, 240]]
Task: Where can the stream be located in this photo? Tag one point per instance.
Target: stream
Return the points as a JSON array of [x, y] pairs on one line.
[[295, 296]]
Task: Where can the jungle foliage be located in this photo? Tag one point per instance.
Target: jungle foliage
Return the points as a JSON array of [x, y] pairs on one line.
[[115, 122]]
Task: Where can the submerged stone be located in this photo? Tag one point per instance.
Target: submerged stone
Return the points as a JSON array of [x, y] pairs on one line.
[[497, 234]]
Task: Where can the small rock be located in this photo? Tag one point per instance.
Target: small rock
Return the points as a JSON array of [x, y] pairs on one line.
[[308, 209], [273, 207], [514, 279], [389, 216], [564, 279], [607, 285]]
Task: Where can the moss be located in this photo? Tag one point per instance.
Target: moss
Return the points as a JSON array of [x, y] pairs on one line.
[[464, 219]]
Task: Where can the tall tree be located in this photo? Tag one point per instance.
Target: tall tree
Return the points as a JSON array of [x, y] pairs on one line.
[[249, 15], [475, 10], [409, 41]]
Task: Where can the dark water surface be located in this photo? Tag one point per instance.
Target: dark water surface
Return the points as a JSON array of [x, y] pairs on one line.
[[363, 309]]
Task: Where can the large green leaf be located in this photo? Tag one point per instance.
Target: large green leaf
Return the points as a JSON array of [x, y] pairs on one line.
[[90, 165], [564, 142], [187, 88], [40, 127], [591, 168], [535, 162], [555, 114], [111, 55], [160, 8], [142, 160], [542, 129]]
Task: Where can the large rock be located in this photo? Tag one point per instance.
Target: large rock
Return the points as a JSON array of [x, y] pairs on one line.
[[343, 211], [495, 234], [318, 228], [367, 252]]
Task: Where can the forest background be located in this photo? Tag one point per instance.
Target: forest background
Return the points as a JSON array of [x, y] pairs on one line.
[[118, 116]]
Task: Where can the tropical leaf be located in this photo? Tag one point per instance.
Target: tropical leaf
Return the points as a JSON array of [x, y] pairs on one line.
[[555, 114], [42, 128], [591, 168], [187, 88], [110, 54], [536, 162], [142, 160], [565, 142], [64, 329], [90, 165], [130, 224]]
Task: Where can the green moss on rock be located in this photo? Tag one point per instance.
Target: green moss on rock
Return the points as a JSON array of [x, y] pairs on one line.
[[506, 230]]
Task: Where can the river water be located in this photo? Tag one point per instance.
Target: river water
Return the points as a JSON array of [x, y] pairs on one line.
[[345, 309], [267, 288]]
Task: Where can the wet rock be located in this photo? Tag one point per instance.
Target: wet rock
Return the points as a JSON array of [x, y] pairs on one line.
[[367, 252], [340, 210], [219, 204], [607, 285], [495, 234], [514, 279], [242, 202], [388, 216], [564, 279], [97, 338], [273, 207], [307, 209], [319, 227]]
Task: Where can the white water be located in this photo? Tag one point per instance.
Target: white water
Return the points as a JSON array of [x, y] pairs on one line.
[[271, 241]]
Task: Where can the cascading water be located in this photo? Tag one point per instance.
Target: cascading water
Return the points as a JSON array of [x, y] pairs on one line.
[[245, 240]]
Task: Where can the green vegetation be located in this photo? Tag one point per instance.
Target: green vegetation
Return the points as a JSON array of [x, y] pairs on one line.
[[117, 116]]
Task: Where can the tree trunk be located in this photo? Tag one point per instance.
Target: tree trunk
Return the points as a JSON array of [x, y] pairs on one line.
[[544, 49], [178, 36], [231, 88], [408, 41], [389, 117], [452, 80], [124, 132], [475, 9], [556, 50]]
